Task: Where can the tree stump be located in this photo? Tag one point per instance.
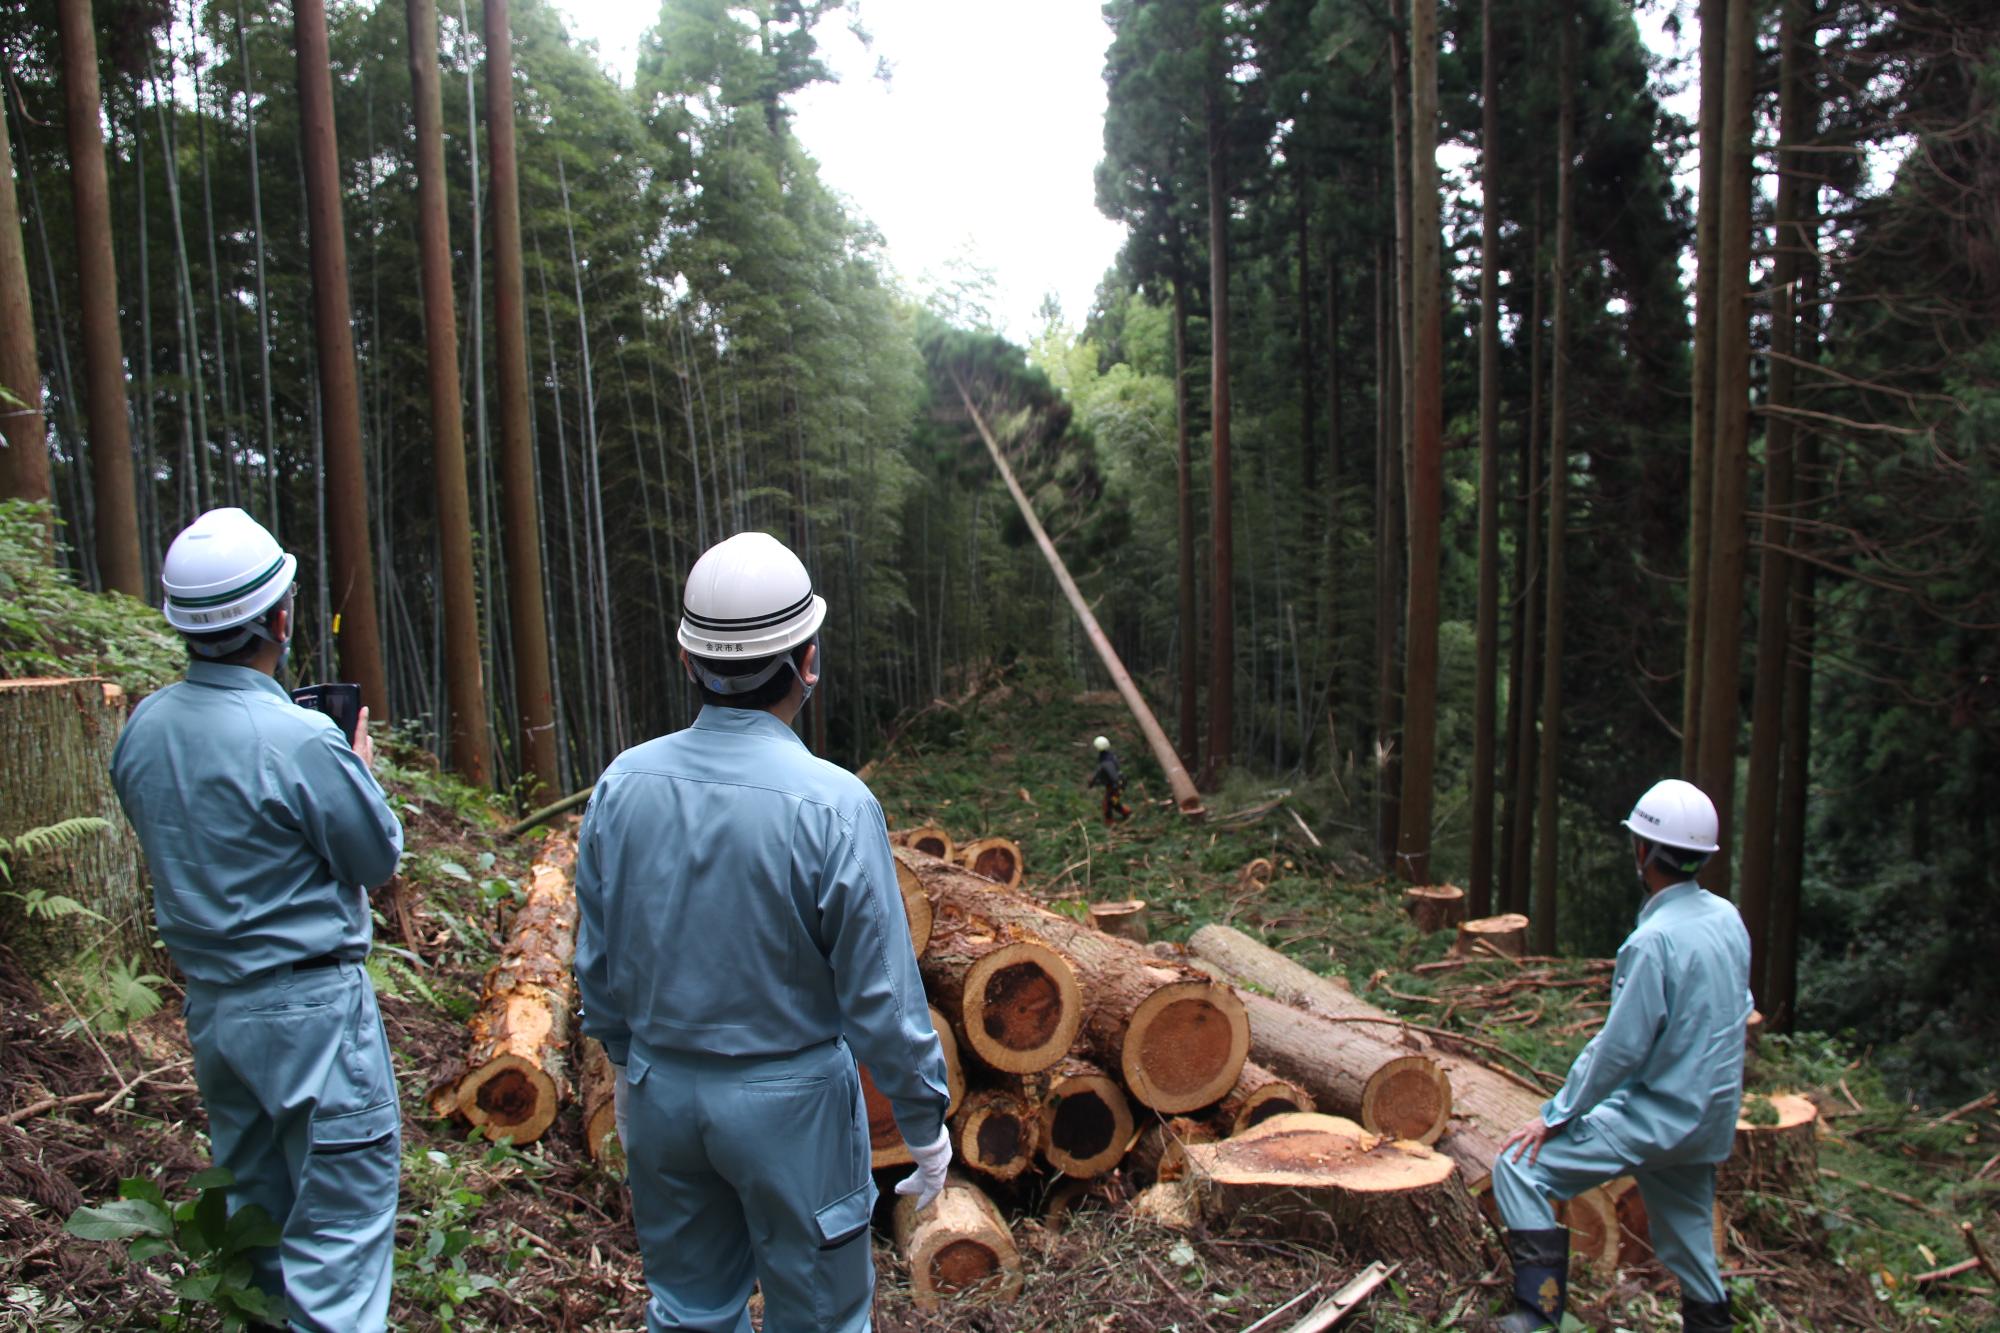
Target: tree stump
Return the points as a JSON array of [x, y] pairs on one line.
[[597, 1090], [916, 907], [959, 1248], [56, 739], [1125, 919], [1319, 1177], [1635, 1232], [885, 1139], [1086, 1123], [1503, 936], [997, 859], [1013, 1001], [1258, 1095], [931, 841], [1776, 1150], [1160, 1153], [1434, 907], [996, 1132], [1177, 1039], [515, 1079]]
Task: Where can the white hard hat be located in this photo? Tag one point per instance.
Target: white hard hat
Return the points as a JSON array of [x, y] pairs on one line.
[[1102, 743], [224, 570], [748, 597], [1674, 813]]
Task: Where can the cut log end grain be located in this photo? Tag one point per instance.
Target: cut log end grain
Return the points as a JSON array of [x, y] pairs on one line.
[[1635, 1231], [996, 1132], [1185, 1045], [1776, 1149], [1086, 1121], [1505, 935], [1125, 919], [1021, 1007], [959, 1248], [931, 841], [1160, 1154], [509, 1096], [1258, 1095], [997, 859], [1408, 1098], [1435, 907], [916, 907]]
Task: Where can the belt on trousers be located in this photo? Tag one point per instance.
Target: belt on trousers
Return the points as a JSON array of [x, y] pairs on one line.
[[324, 960]]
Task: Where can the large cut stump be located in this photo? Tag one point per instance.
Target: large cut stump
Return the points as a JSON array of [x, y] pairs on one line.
[[1635, 1231], [930, 840], [1086, 1121], [1322, 1177], [597, 1089], [1435, 907], [916, 907], [958, 1248], [515, 1079], [1776, 1150], [997, 859], [1352, 1069], [56, 738], [1503, 936], [1013, 1001], [1258, 1095], [1176, 1038], [1160, 1154], [885, 1140], [996, 1132]]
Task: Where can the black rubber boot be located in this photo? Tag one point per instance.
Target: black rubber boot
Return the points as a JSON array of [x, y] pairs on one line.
[[1541, 1279], [1705, 1316]]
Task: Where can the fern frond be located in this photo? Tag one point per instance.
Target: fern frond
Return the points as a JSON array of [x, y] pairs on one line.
[[51, 837]]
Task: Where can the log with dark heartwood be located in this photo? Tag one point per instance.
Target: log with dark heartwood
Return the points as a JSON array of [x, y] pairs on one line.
[[997, 859], [516, 1073], [1012, 1000], [958, 1248], [1175, 1037], [1258, 1095], [885, 1140], [1086, 1120], [997, 1131]]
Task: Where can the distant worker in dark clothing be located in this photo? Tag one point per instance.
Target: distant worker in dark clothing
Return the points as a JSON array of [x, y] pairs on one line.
[[1112, 779]]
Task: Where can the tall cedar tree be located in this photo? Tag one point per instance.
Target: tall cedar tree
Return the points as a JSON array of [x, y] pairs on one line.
[[24, 463], [1487, 612]]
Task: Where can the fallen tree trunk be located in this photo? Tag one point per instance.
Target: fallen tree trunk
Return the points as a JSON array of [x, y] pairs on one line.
[[1086, 1121], [959, 1247], [916, 908], [997, 859], [515, 1079], [1176, 1038], [1322, 1176], [597, 1090], [996, 1132], [885, 1139], [1013, 1001], [1353, 1070], [1258, 1095]]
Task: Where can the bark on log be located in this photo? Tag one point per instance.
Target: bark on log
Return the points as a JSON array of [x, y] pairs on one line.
[[959, 1248], [1125, 919], [997, 859], [56, 738], [1353, 1070], [996, 1132], [516, 1076], [916, 907], [1323, 1176], [1086, 1123], [597, 1090], [885, 1139], [1176, 1038], [930, 840], [1161, 1151], [1283, 979], [1435, 907], [1778, 1157], [1013, 1001], [1505, 936], [1258, 1095]]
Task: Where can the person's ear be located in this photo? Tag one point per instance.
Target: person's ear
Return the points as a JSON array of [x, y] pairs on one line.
[[809, 669], [281, 624], [687, 666]]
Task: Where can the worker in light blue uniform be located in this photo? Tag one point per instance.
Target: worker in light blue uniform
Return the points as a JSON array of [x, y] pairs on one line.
[[741, 942], [263, 828], [1655, 1094]]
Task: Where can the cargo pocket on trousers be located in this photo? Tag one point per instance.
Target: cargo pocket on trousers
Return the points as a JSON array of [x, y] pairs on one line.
[[353, 1164], [844, 1268]]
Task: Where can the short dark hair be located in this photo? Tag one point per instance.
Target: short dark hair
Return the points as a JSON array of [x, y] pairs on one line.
[[770, 692]]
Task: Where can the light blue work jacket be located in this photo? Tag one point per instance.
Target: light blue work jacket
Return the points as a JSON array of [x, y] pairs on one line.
[[263, 829], [1663, 1078], [736, 896]]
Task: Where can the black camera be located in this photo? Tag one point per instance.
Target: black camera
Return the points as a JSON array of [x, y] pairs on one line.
[[340, 701]]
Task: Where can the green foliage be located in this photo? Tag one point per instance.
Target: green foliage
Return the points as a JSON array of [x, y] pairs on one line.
[[39, 904], [121, 993], [203, 1246], [51, 627], [442, 1231]]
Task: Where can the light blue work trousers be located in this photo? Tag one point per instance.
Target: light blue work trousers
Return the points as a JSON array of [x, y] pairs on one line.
[[294, 1072], [1680, 1200], [751, 1168]]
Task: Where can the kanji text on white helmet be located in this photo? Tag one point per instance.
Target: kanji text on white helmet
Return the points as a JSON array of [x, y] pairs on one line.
[[222, 572], [1102, 743], [748, 597], [1674, 813]]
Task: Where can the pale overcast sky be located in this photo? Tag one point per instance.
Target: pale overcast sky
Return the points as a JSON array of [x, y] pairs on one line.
[[981, 144]]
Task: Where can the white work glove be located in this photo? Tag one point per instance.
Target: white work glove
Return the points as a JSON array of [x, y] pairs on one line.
[[927, 1181], [618, 1104]]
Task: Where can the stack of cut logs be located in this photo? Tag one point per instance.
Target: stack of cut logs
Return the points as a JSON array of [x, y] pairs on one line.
[[1113, 1065]]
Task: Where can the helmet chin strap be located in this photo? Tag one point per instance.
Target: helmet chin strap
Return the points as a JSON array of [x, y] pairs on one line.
[[734, 685], [235, 643]]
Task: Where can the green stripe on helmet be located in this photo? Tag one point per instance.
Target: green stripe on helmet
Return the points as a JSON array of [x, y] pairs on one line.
[[249, 585]]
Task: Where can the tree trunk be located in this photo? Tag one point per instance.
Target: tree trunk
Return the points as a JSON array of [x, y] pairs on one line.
[[996, 1131], [597, 1091], [1388, 546], [1258, 1095], [534, 700], [24, 465], [1321, 1176], [1012, 999], [997, 859], [1126, 919], [1503, 936], [355, 625], [270, 438], [1086, 1122], [1728, 538], [1190, 629], [1781, 962], [112, 490], [1434, 907], [1426, 468], [516, 1073], [1701, 451], [1776, 1153], [959, 1248], [465, 691], [1549, 819], [1176, 1038], [885, 1140], [1525, 691], [1486, 632], [1221, 582], [916, 908]]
